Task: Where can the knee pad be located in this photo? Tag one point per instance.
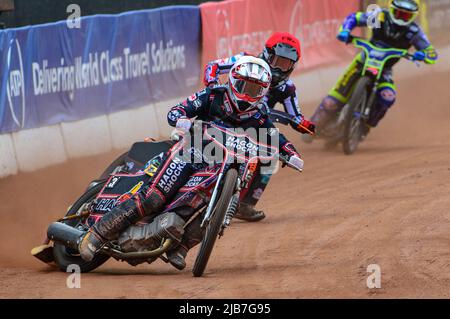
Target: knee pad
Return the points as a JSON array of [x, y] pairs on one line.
[[386, 97]]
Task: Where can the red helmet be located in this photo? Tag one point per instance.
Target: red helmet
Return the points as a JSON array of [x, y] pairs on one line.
[[282, 52]]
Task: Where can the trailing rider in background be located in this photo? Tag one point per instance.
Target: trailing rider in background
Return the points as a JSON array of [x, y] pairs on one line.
[[397, 30], [282, 53]]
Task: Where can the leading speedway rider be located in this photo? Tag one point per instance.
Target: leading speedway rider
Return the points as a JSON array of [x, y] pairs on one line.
[[397, 30], [282, 52], [234, 104]]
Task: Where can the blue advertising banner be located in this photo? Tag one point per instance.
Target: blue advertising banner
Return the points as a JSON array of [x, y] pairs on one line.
[[53, 73]]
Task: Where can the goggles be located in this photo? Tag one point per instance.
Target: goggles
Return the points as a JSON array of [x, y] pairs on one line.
[[282, 63], [254, 90], [405, 16]]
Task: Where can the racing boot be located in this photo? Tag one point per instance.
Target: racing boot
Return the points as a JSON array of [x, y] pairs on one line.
[[193, 235], [177, 255], [108, 228], [90, 244], [116, 221], [248, 213]]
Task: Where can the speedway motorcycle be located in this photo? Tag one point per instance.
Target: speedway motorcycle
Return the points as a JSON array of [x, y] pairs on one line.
[[213, 192], [348, 126]]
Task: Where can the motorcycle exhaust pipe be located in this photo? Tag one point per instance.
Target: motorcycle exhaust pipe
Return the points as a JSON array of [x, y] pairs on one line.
[[64, 234]]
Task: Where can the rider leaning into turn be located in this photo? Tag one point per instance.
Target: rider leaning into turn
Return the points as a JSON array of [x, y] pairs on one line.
[[282, 52], [397, 29], [234, 104]]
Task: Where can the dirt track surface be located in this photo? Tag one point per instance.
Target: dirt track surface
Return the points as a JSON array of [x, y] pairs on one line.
[[389, 204]]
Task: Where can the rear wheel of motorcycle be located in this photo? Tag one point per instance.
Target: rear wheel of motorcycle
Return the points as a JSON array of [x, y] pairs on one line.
[[353, 123], [65, 256], [214, 226]]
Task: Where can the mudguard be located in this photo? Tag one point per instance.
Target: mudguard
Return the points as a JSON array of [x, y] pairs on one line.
[[141, 152]]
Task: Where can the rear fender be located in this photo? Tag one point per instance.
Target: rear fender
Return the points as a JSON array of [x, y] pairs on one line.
[[141, 152]]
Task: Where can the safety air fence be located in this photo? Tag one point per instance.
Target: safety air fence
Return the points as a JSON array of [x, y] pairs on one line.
[[85, 87]]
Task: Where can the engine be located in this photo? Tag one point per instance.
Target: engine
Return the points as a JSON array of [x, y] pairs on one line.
[[150, 236]]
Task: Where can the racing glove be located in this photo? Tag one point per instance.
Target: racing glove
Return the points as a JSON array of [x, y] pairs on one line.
[[212, 83], [419, 56], [344, 36], [304, 126], [183, 124]]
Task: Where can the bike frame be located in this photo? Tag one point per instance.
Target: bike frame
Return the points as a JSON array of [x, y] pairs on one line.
[[244, 167], [374, 64]]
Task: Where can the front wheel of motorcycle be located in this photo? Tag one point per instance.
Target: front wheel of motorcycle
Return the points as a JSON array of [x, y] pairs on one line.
[[64, 257], [354, 122], [215, 224]]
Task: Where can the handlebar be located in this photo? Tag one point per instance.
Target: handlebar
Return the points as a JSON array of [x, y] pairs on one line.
[[286, 119], [407, 56], [178, 134]]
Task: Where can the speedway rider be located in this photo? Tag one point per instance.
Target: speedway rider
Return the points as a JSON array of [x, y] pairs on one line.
[[234, 104], [397, 30], [282, 52]]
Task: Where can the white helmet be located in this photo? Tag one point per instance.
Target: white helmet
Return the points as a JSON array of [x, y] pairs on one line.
[[249, 81]]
